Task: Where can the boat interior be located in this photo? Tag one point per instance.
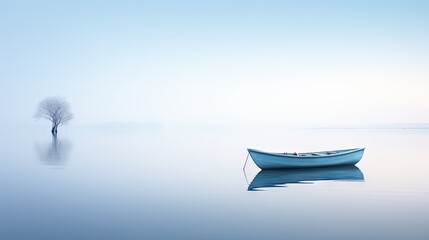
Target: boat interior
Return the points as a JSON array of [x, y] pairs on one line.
[[307, 154], [310, 154]]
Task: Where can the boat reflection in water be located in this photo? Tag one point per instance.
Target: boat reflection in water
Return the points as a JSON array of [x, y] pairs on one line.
[[281, 177]]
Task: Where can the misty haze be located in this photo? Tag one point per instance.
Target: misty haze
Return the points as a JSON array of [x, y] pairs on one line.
[[214, 120]]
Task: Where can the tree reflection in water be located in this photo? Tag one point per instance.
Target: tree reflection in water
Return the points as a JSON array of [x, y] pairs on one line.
[[54, 153]]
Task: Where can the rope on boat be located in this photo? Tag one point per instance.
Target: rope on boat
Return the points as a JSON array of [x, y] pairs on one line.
[[244, 169], [246, 161]]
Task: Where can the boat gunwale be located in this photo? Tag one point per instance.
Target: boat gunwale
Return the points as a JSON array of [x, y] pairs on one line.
[[344, 152]]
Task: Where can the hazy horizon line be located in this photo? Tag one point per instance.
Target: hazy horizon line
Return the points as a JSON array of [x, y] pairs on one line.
[[124, 124]]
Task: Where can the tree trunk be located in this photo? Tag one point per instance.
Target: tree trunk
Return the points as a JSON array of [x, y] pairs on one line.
[[54, 130]]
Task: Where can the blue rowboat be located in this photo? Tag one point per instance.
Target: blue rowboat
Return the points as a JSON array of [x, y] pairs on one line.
[[283, 177], [265, 160]]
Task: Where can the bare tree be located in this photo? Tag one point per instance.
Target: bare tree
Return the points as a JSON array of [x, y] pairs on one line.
[[56, 110]]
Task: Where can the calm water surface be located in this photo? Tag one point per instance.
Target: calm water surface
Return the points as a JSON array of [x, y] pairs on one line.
[[188, 183]]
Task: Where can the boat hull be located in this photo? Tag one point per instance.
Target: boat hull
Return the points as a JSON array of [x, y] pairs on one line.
[[266, 160]]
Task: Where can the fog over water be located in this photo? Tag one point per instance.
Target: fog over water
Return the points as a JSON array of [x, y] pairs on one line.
[[168, 95]]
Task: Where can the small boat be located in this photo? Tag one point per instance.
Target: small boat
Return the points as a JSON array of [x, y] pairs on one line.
[[266, 160], [283, 177]]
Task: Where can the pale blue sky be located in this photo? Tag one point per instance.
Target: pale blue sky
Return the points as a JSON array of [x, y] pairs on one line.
[[223, 62]]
